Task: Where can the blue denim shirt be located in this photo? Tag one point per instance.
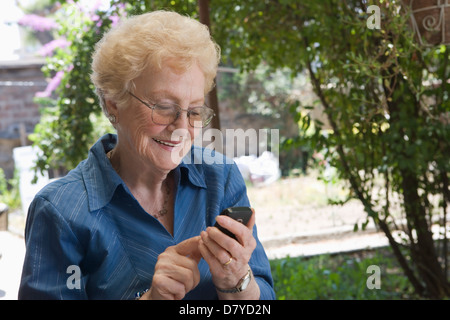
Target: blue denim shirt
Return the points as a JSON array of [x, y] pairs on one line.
[[87, 237]]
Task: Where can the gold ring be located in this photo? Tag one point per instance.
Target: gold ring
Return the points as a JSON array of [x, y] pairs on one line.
[[228, 262]]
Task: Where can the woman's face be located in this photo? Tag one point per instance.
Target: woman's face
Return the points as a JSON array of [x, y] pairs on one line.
[[162, 146]]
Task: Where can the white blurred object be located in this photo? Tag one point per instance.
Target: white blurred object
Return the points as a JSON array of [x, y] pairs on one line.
[[262, 170], [24, 160]]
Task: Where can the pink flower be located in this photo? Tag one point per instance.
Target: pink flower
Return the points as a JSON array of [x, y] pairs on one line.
[[48, 48], [96, 6], [52, 85], [114, 20], [37, 23]]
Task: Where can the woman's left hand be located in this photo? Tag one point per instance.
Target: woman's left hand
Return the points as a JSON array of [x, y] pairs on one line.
[[227, 258]]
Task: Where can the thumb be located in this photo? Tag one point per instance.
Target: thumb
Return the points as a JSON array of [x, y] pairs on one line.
[[252, 221], [189, 248]]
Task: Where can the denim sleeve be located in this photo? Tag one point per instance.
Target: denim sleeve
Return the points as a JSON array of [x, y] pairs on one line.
[[236, 193], [53, 256]]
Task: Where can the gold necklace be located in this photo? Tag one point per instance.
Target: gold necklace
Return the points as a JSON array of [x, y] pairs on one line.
[[161, 213]]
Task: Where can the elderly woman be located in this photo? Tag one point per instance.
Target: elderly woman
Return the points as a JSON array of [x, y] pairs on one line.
[[135, 219]]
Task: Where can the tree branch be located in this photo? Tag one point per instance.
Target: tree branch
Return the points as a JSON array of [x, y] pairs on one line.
[[355, 183]]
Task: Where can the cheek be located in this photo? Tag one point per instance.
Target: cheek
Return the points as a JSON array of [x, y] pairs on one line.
[[140, 138], [141, 131]]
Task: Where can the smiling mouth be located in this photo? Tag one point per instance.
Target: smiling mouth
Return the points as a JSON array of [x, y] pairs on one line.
[[166, 143]]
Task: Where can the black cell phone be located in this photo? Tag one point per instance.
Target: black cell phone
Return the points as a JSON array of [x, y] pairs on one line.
[[240, 214]]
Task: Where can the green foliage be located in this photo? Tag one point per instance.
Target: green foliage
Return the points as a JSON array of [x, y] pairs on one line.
[[69, 124], [65, 132], [9, 190], [339, 277], [386, 102]]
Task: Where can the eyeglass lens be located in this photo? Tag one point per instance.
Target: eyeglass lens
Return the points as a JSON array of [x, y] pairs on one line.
[[166, 114], [162, 114]]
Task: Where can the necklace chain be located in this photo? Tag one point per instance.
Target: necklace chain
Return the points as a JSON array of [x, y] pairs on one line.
[[161, 213], [163, 210]]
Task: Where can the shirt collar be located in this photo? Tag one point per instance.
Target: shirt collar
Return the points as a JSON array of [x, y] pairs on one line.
[[101, 180], [191, 166]]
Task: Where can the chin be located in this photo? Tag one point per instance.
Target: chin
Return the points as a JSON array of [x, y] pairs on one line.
[[168, 157]]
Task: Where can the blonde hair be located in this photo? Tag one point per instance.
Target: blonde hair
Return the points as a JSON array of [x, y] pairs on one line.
[[149, 40]]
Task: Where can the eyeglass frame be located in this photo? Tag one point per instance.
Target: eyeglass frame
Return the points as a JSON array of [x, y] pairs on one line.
[[188, 112]]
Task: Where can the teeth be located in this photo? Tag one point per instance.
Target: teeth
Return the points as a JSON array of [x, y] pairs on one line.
[[166, 143]]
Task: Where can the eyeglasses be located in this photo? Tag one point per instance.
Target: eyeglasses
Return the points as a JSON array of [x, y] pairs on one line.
[[167, 113]]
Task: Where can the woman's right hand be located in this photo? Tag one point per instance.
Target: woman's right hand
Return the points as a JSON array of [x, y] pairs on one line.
[[176, 271]]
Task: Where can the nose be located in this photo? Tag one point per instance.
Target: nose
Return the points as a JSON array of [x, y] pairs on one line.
[[181, 121], [181, 129]]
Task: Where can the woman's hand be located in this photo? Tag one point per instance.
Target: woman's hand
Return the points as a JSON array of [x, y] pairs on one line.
[[176, 271], [227, 258]]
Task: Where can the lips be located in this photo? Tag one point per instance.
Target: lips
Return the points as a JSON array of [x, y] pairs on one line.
[[168, 143]]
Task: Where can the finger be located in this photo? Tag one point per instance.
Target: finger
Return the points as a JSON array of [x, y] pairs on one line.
[[246, 238], [250, 241], [189, 248], [223, 276], [243, 233], [209, 257], [166, 288], [183, 273], [222, 255], [180, 268], [233, 247], [186, 272], [252, 221]]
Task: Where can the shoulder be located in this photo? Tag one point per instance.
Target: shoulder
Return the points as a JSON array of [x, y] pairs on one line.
[[64, 195]]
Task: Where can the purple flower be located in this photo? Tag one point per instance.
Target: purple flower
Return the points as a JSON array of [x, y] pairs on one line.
[[38, 23], [114, 20], [52, 85], [48, 48], [96, 6]]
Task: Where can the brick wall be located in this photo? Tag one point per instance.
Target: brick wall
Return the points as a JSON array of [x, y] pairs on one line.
[[19, 82]]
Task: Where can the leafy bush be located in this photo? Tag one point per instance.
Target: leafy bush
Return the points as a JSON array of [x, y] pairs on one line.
[[339, 277], [9, 190]]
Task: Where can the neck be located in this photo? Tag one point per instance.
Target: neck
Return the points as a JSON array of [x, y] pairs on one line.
[[136, 173], [152, 188]]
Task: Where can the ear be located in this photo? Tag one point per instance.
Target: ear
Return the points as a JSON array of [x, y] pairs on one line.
[[111, 106], [113, 112]]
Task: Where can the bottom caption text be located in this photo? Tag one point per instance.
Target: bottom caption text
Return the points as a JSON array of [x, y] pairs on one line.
[[226, 309]]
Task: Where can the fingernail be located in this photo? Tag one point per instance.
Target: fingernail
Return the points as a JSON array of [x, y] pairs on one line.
[[221, 220]]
